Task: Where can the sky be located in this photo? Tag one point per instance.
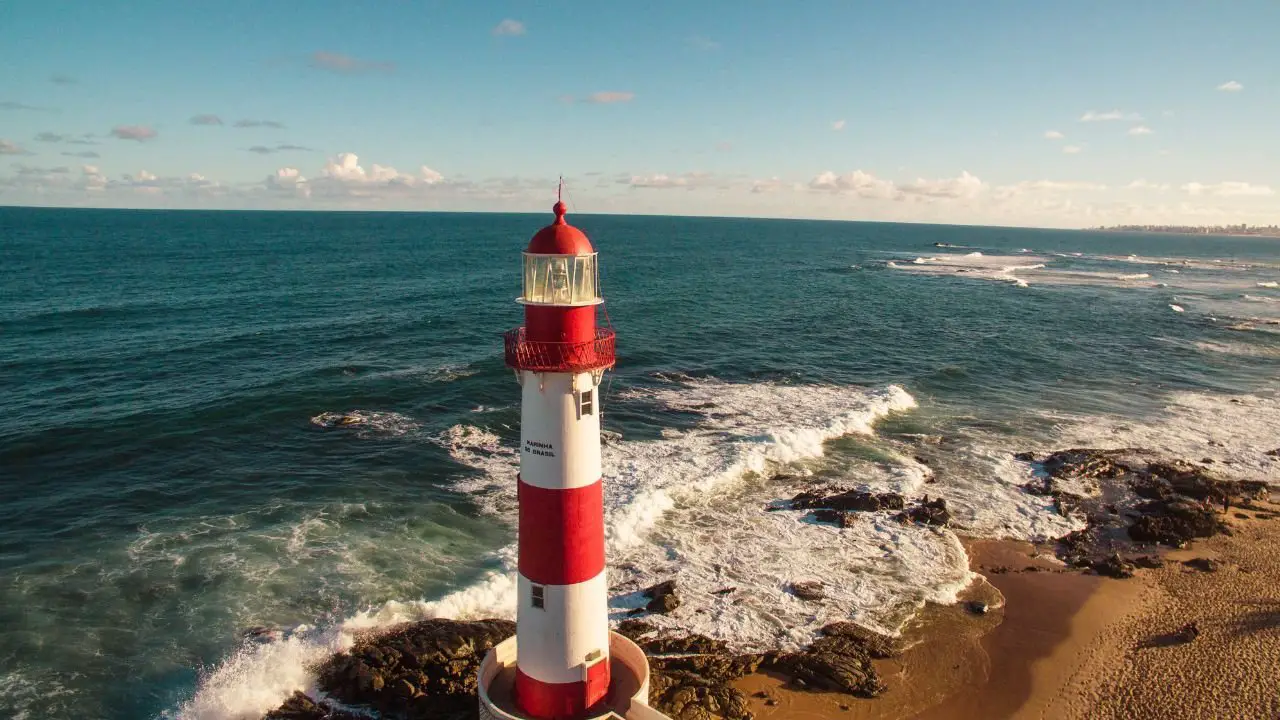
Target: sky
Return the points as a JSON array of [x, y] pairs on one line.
[[1001, 112]]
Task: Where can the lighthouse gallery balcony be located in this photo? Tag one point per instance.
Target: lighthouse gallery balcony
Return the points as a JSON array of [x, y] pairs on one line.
[[539, 356]]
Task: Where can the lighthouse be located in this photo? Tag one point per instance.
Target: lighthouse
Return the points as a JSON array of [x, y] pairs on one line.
[[563, 663]]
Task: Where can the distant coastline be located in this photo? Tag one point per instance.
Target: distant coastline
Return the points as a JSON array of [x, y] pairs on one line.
[[1235, 230]]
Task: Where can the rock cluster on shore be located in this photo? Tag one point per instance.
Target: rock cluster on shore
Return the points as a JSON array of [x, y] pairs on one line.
[[1168, 502], [427, 670]]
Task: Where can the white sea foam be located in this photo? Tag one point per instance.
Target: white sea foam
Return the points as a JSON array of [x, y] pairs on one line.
[[367, 423], [1237, 348], [1268, 284], [29, 695], [689, 505], [1177, 308], [1234, 432]]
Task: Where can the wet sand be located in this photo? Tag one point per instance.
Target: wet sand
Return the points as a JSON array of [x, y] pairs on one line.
[[1061, 644]]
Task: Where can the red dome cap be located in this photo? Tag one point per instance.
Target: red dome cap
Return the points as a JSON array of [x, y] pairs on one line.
[[560, 238]]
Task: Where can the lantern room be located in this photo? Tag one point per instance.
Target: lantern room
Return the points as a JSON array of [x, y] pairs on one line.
[[564, 280]]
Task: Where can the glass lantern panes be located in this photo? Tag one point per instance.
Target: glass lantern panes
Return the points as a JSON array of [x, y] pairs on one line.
[[560, 279]]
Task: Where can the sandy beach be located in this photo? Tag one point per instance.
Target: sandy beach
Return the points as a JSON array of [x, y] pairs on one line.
[[1198, 637]]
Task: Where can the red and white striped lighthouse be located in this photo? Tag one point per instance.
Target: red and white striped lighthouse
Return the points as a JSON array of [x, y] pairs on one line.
[[559, 356]]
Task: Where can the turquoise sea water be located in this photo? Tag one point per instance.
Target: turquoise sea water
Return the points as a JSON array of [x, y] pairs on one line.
[[163, 486]]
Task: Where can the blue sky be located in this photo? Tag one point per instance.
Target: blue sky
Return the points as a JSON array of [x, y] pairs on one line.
[[1021, 113]]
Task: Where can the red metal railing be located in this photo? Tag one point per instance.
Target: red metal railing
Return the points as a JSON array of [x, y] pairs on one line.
[[525, 354]]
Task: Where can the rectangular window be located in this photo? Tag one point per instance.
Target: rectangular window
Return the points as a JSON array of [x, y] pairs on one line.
[[587, 403], [537, 597]]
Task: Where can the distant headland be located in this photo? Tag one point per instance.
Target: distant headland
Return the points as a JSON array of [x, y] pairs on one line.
[[1241, 229]]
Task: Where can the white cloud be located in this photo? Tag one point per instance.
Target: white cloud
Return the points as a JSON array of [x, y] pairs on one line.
[[143, 177], [1072, 149], [606, 97], [9, 148], [509, 28], [1095, 116], [206, 119], [289, 180], [838, 125], [964, 187], [1145, 185], [772, 184], [862, 184], [259, 123], [1231, 86], [93, 177], [137, 133], [1140, 130], [1027, 187], [1053, 135], [345, 167], [343, 176], [657, 181], [1228, 189]]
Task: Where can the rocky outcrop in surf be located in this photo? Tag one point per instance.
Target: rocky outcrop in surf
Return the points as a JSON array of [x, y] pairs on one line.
[[1135, 495], [425, 670]]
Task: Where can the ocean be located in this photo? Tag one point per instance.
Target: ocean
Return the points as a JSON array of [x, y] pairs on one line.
[[172, 474]]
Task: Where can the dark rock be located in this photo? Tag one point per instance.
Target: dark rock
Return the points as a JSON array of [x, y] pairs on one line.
[[696, 684], [1174, 522], [835, 663], [425, 669], [1203, 564], [1165, 480], [855, 500], [1114, 566], [263, 634], [633, 629], [977, 607], [667, 643], [1086, 464], [301, 707], [839, 518], [878, 646], [928, 512], [1025, 456], [1273, 453], [1150, 562], [662, 597], [810, 590], [724, 591]]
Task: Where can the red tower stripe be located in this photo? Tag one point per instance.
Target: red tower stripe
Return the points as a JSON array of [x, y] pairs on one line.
[[561, 533], [552, 701], [561, 324]]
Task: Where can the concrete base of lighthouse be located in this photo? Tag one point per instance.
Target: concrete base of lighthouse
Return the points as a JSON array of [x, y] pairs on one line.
[[628, 696]]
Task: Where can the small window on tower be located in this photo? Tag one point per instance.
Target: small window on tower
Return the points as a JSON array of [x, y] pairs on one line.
[[537, 597], [587, 403]]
